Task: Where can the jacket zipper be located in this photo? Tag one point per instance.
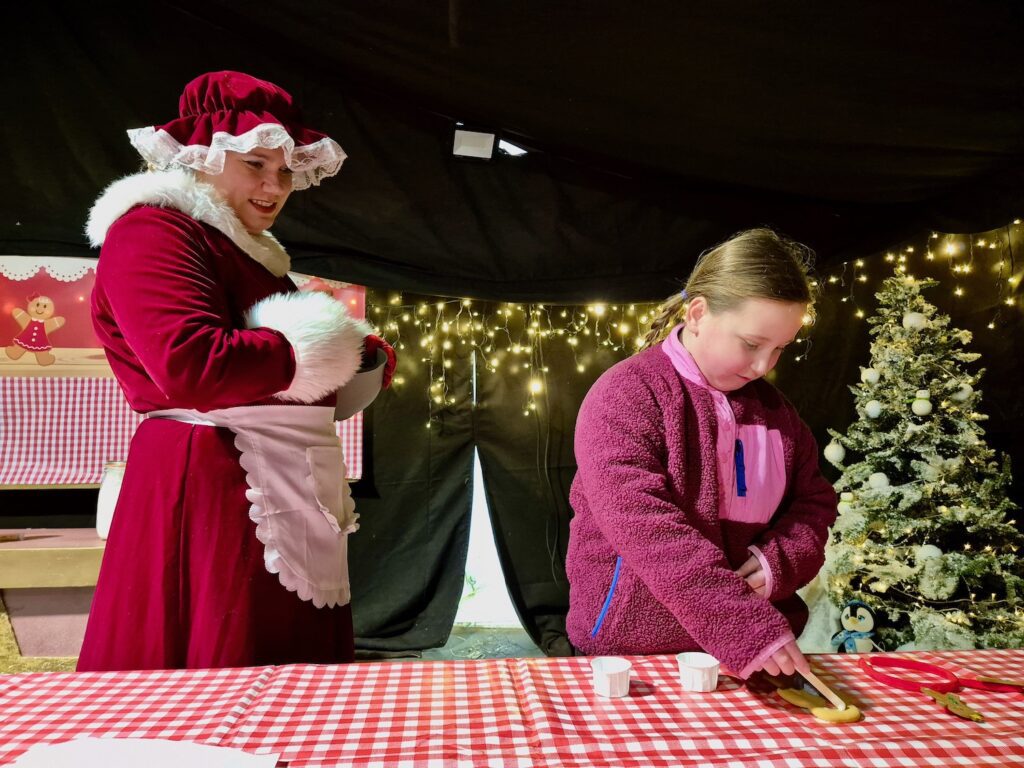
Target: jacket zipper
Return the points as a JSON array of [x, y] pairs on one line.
[[607, 600]]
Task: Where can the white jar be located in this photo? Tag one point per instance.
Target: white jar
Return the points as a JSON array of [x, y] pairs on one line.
[[110, 488]]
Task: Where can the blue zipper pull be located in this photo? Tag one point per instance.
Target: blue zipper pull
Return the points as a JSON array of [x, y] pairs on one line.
[[741, 472]]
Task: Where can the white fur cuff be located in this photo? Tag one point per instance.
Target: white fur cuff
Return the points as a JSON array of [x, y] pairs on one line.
[[328, 344]]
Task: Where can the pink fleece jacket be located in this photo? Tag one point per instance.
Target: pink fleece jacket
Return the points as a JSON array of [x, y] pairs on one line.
[[762, 456], [651, 554]]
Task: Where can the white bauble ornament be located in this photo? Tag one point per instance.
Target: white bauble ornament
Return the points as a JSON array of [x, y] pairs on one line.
[[845, 503], [927, 552], [878, 480], [873, 409], [935, 583], [869, 375], [835, 452], [922, 406], [914, 321], [965, 391]]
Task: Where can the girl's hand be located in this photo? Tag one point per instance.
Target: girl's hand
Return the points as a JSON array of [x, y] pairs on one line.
[[787, 660], [752, 572]]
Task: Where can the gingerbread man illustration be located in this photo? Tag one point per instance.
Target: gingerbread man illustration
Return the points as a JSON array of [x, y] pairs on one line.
[[35, 323]]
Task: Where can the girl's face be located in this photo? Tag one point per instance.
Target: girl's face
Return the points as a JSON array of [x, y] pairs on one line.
[[735, 347], [255, 184]]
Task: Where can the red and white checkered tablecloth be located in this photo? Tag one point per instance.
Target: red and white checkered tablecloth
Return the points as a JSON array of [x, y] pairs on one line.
[[393, 715], [516, 713], [183, 705], [740, 725], [61, 430]]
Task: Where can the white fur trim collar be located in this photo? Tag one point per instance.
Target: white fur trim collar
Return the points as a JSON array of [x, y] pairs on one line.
[[180, 190]]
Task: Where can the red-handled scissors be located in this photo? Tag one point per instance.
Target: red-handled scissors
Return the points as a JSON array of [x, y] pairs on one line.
[[940, 685]]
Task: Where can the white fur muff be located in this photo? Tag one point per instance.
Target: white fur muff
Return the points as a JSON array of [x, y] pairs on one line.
[[328, 343]]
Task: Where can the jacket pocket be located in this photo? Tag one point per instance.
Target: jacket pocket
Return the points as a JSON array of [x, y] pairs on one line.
[[759, 476], [608, 600]]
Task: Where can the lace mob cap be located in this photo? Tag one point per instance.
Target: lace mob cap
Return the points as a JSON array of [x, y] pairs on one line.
[[232, 111]]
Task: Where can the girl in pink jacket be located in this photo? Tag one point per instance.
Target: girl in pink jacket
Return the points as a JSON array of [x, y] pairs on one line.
[[699, 505]]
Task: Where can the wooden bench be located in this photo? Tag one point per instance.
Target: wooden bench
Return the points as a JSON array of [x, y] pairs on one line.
[[47, 578]]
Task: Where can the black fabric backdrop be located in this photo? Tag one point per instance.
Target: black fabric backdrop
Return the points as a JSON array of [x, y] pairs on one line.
[[657, 128], [407, 559], [528, 466], [654, 130]]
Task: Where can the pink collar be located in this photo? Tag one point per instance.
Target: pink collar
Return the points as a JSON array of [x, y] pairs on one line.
[[683, 360]]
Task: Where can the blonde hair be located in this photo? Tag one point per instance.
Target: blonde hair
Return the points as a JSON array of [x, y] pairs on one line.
[[753, 264]]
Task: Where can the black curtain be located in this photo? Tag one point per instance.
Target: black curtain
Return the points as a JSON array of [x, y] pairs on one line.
[[407, 560], [528, 465], [653, 131]]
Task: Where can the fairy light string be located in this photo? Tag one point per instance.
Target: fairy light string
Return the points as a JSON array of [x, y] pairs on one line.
[[519, 338]]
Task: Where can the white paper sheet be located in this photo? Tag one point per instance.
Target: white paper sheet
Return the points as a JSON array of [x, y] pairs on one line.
[[91, 752]]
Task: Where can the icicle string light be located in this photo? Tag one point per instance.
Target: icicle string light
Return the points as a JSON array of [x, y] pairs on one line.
[[513, 338]]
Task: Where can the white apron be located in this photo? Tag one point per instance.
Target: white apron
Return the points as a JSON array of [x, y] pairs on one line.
[[300, 500]]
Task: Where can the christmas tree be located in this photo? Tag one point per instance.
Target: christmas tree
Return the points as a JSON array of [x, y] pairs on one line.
[[925, 534]]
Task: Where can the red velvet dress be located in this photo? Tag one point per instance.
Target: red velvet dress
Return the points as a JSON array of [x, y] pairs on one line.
[[183, 583]]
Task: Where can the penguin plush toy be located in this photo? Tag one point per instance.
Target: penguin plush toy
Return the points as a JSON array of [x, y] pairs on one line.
[[858, 622]]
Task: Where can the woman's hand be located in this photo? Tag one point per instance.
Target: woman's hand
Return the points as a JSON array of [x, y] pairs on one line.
[[370, 347], [752, 572], [787, 660]]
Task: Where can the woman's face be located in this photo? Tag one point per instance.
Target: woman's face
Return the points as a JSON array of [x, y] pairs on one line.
[[255, 184], [734, 347]]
